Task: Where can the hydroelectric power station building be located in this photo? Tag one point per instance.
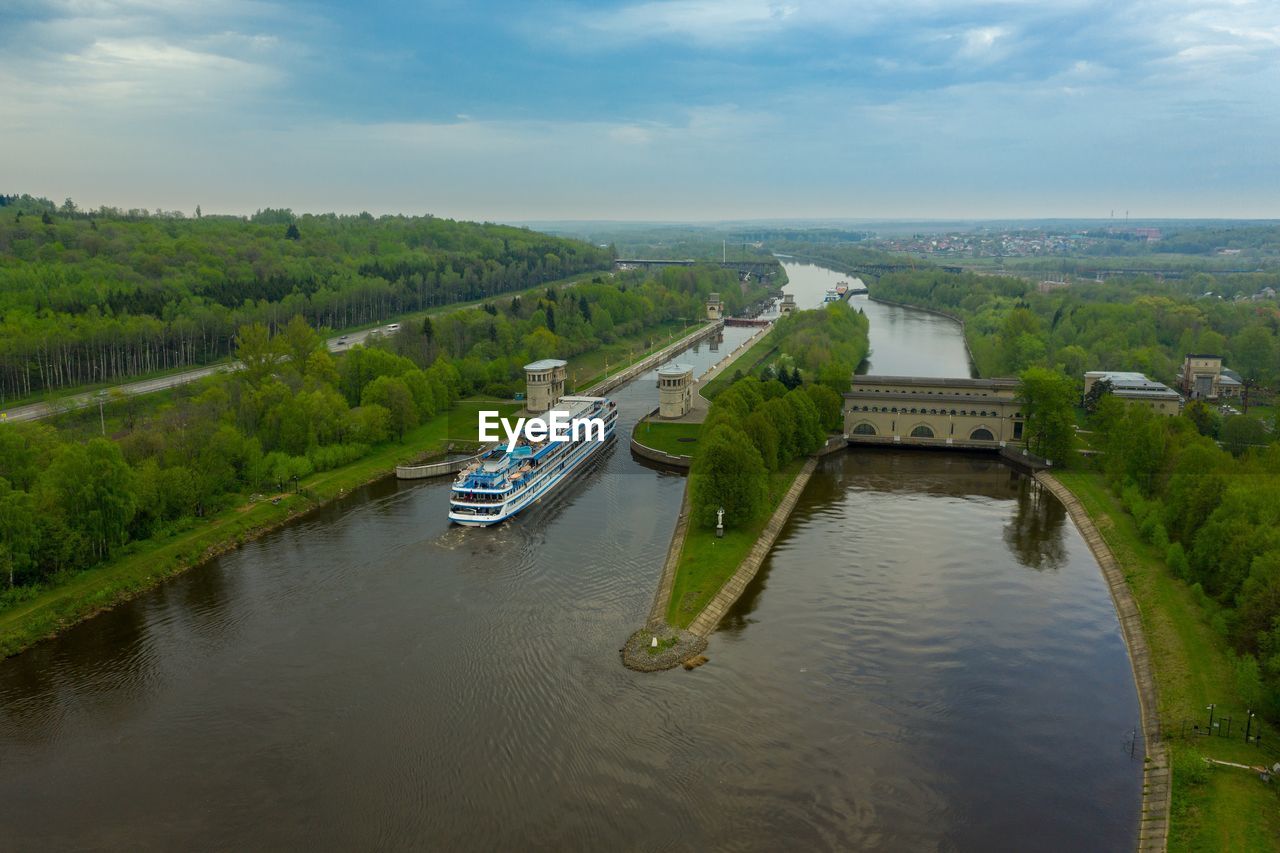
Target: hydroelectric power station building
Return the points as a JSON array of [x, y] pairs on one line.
[[929, 411]]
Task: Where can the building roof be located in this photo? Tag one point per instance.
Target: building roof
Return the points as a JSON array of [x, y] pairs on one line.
[[1132, 385], [546, 364], [1202, 355], [675, 369], [994, 384]]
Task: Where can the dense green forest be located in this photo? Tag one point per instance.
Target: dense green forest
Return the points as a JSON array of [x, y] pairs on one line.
[[845, 257], [100, 296], [1216, 516], [69, 500], [760, 423]]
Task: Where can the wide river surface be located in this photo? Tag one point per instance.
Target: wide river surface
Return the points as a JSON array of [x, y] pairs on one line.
[[929, 660]]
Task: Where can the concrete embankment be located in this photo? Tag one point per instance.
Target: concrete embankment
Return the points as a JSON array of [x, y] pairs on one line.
[[604, 386], [696, 415], [686, 644], [1153, 828], [710, 617], [437, 469]]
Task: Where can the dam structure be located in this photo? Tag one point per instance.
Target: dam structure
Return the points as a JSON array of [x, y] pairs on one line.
[[933, 412]]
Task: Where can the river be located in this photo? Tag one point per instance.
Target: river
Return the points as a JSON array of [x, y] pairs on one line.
[[929, 659]]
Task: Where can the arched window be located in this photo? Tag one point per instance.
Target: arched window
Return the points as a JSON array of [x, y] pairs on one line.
[[864, 428], [982, 434], [922, 431]]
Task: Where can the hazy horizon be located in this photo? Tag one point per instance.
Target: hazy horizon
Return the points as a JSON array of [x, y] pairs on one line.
[[648, 110]]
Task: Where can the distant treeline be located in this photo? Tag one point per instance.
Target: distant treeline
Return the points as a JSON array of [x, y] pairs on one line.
[[97, 298], [843, 258]]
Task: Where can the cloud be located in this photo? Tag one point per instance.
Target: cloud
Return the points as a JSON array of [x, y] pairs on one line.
[[708, 21], [984, 43]]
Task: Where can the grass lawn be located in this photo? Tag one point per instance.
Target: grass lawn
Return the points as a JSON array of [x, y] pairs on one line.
[[669, 438], [142, 564], [706, 562], [1218, 808], [754, 357]]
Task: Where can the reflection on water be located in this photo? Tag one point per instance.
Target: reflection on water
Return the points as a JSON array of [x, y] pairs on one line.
[[929, 659]]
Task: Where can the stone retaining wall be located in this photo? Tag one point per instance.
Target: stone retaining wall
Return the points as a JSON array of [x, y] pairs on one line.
[[711, 615], [437, 469], [1153, 826], [644, 451], [604, 386]]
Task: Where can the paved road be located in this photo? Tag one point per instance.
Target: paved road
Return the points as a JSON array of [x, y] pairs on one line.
[[36, 411]]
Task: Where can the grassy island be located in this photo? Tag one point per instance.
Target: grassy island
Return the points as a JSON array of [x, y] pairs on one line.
[[759, 431]]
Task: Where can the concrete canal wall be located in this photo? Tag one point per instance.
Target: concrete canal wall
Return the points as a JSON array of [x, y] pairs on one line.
[[706, 621], [606, 385], [1153, 827], [437, 469]]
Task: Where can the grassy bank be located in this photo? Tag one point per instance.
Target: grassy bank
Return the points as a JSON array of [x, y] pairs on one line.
[[706, 562], [588, 368], [754, 357], [1213, 808], [678, 439], [44, 610]]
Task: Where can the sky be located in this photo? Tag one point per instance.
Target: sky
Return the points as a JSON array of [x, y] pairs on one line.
[[673, 110]]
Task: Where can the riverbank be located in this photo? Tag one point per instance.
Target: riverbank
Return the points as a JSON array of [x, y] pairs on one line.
[[964, 331], [1153, 830], [1181, 664], [142, 565], [704, 575]]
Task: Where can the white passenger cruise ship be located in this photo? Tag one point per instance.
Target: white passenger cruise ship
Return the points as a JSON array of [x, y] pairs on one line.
[[507, 479]]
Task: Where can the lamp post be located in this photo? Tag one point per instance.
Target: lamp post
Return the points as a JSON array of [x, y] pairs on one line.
[[295, 484]]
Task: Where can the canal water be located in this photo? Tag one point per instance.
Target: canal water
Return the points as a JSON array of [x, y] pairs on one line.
[[928, 660]]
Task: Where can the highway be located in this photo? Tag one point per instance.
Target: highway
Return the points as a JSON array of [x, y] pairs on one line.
[[36, 411]]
